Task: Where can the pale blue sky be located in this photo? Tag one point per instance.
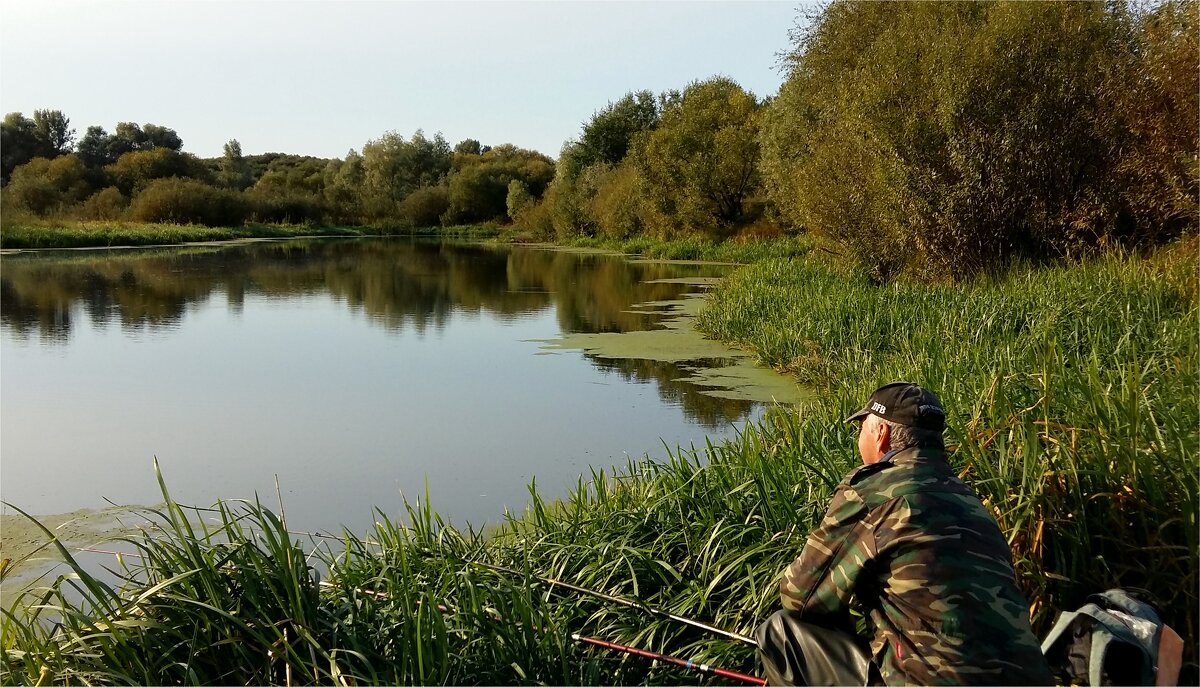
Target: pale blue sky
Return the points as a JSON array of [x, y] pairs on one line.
[[319, 78]]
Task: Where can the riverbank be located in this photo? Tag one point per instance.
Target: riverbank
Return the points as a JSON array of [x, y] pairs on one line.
[[44, 235], [1073, 398], [51, 234]]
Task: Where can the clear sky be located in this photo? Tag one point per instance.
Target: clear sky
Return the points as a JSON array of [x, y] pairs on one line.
[[320, 78]]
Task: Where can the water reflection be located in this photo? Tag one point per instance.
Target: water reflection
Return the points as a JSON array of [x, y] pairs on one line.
[[356, 370], [396, 284]]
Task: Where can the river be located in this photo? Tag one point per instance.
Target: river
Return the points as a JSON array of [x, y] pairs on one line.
[[356, 372]]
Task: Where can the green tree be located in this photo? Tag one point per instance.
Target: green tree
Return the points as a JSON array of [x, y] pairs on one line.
[[699, 167], [960, 134], [609, 135], [53, 129], [93, 148], [394, 167], [47, 135], [1154, 104], [18, 142], [290, 191], [518, 199], [479, 190], [468, 146], [343, 184], [234, 171]]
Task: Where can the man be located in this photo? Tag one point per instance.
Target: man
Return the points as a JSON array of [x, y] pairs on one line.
[[910, 547]]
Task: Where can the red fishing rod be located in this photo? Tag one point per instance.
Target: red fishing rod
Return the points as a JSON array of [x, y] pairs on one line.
[[682, 663], [613, 646]]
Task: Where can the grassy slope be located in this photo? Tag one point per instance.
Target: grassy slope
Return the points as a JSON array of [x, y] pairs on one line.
[[1073, 394]]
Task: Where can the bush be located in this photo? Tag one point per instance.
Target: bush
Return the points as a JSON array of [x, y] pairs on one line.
[[424, 207], [184, 201], [535, 221], [133, 171], [616, 207], [106, 204], [42, 186], [287, 208]]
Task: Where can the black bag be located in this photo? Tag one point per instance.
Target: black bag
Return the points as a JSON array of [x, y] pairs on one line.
[[1112, 640]]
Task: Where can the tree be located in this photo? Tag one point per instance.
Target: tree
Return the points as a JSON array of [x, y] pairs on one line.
[[54, 131], [394, 167], [18, 142], [98, 148], [609, 135], [960, 135], [47, 135], [156, 136], [93, 147], [518, 199], [233, 172], [479, 190], [468, 146], [699, 166]]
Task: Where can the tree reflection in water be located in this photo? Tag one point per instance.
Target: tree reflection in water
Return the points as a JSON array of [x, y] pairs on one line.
[[396, 284]]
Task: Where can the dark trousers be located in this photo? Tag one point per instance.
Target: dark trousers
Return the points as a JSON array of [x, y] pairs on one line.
[[799, 653]]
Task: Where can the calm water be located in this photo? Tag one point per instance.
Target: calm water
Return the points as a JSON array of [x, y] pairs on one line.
[[357, 371]]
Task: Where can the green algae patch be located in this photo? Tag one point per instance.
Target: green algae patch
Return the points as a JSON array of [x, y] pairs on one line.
[[716, 368], [26, 554]]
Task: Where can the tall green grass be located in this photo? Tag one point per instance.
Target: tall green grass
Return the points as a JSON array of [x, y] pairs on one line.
[[1073, 402], [1072, 392], [701, 248]]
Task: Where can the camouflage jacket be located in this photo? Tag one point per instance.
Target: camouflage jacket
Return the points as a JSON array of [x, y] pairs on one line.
[[909, 545]]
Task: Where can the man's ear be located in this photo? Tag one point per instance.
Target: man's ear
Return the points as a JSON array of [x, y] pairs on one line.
[[883, 436]]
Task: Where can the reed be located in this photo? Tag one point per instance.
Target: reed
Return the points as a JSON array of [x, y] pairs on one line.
[[703, 249], [1072, 394]]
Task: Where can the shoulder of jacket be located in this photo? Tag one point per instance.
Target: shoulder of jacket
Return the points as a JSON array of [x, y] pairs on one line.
[[864, 472], [909, 472]]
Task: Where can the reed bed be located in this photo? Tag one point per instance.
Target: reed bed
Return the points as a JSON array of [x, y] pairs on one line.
[[1072, 392], [1073, 402], [704, 249]]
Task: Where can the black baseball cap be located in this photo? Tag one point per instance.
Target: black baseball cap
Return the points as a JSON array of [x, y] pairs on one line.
[[905, 403]]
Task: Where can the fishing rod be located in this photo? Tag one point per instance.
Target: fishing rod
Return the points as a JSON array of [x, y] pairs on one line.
[[673, 660], [687, 664], [626, 602]]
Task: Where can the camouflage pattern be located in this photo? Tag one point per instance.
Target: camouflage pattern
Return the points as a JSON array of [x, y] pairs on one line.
[[910, 546]]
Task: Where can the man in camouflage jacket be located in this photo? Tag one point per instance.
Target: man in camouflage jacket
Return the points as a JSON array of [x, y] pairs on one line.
[[911, 547]]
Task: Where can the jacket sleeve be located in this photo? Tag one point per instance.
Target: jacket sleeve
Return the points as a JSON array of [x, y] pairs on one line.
[[821, 582]]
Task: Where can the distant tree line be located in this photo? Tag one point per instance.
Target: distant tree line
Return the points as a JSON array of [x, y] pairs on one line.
[[940, 138]]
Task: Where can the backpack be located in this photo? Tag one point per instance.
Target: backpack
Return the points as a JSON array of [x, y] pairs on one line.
[[1114, 639]]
